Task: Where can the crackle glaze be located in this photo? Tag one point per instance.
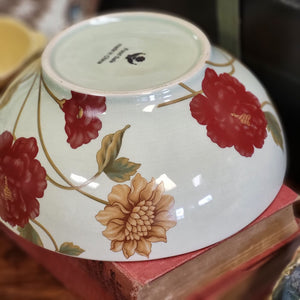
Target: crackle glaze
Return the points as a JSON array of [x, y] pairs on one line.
[[134, 139]]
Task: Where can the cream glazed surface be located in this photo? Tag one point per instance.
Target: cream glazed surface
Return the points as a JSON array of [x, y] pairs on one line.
[[133, 139]]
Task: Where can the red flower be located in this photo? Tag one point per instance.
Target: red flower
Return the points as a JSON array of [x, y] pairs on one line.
[[81, 115], [233, 115], [22, 179]]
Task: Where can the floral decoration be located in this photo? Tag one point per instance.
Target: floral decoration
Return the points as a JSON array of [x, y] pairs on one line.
[[81, 115], [22, 179], [137, 216], [232, 115]]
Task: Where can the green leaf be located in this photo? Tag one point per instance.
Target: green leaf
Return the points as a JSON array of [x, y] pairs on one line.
[[30, 234], [121, 169], [70, 249], [274, 128], [110, 148]]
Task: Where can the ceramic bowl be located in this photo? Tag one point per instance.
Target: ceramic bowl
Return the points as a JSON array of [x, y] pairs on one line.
[[19, 44], [135, 139]]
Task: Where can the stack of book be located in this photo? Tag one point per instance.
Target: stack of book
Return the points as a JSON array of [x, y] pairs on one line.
[[190, 275]]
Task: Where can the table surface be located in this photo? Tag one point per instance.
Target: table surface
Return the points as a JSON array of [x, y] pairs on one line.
[[21, 277]]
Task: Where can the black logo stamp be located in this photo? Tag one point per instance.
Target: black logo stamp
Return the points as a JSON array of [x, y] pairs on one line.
[[135, 58]]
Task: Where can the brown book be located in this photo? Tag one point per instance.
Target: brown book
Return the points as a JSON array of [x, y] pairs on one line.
[[175, 277], [250, 281]]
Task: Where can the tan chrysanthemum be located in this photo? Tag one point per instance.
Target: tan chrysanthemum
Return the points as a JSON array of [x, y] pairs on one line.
[[137, 216]]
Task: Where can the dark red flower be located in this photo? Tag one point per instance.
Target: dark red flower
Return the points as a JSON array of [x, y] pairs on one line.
[[22, 179], [81, 115], [233, 115]]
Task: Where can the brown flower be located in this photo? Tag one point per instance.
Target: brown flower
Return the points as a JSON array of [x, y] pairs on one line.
[[137, 216]]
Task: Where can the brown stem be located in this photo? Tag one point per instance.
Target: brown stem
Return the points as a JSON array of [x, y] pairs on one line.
[[58, 101], [47, 232], [187, 87], [179, 99], [193, 92], [71, 186], [22, 107], [232, 70], [228, 63], [77, 189], [265, 103]]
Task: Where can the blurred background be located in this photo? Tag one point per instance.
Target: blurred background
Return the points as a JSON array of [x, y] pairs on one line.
[[262, 34]]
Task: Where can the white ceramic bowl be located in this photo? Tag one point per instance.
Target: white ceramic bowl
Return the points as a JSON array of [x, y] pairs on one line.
[[136, 140]]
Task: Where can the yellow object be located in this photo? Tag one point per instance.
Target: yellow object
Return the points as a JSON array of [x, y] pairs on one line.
[[18, 44]]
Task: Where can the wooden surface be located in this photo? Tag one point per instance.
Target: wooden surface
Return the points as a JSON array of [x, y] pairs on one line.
[[22, 278]]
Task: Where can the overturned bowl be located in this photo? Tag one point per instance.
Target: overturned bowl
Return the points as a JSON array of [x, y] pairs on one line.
[[133, 139]]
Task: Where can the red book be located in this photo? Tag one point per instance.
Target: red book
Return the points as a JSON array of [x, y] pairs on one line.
[[175, 276], [252, 280]]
